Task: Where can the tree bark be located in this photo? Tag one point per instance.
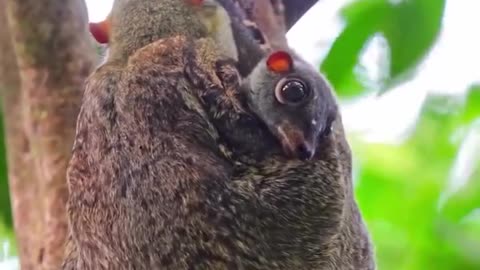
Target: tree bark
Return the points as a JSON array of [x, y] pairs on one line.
[[268, 15], [22, 181], [53, 58], [274, 17]]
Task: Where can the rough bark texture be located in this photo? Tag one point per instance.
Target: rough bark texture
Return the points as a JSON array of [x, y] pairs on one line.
[[22, 181], [274, 17], [53, 57], [268, 15], [270, 21]]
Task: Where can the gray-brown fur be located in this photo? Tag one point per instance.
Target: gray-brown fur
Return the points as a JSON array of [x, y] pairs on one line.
[[351, 247], [156, 19], [342, 241], [135, 24], [151, 188], [298, 125], [132, 180]]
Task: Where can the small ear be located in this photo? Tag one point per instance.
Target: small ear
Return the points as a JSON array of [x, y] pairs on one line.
[[279, 62], [100, 31]]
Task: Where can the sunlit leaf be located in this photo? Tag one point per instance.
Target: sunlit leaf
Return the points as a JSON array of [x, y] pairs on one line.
[[465, 199], [463, 239], [472, 106], [5, 209], [344, 54], [400, 187], [410, 28], [7, 242]]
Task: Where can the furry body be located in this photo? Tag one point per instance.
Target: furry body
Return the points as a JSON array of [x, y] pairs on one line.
[[150, 189]]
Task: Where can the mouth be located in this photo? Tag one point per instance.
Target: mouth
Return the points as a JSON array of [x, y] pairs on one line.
[[295, 144]]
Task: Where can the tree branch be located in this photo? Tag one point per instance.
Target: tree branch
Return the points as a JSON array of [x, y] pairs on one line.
[[295, 9], [269, 18], [54, 57], [22, 181], [274, 18]]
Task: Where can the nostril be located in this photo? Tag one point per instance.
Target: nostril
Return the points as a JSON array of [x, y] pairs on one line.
[[304, 152]]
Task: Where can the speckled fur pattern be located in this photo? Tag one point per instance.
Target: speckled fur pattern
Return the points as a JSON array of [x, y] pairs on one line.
[[151, 189], [257, 155]]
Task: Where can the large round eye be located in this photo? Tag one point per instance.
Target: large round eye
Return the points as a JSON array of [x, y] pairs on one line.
[[291, 91]]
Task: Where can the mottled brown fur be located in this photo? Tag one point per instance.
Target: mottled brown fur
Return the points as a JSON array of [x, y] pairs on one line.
[[344, 245], [157, 180], [135, 24], [150, 189]]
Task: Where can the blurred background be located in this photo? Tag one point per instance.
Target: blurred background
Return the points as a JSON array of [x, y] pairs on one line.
[[407, 75]]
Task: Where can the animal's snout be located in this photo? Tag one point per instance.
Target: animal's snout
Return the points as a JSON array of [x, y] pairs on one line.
[[304, 151]]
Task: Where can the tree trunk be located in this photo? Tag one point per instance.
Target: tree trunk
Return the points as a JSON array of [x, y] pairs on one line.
[[46, 56], [22, 181], [50, 61]]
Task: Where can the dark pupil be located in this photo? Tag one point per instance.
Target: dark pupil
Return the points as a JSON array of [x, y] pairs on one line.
[[294, 91]]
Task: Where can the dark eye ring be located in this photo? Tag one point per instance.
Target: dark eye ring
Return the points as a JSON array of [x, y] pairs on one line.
[[291, 91]]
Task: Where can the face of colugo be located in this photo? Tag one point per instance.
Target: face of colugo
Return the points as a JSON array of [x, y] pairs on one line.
[[294, 101]]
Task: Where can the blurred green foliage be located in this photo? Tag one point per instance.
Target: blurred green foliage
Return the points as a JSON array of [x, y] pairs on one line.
[[410, 28], [405, 191], [7, 243], [417, 219], [5, 209]]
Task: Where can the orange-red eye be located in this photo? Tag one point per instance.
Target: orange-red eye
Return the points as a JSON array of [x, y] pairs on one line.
[[279, 62]]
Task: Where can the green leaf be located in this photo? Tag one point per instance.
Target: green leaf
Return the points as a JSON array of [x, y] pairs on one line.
[[343, 55], [411, 30], [466, 199], [5, 207], [463, 201], [472, 106], [7, 239], [400, 187]]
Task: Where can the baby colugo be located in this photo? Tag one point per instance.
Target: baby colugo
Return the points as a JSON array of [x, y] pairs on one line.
[[293, 100], [288, 94]]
